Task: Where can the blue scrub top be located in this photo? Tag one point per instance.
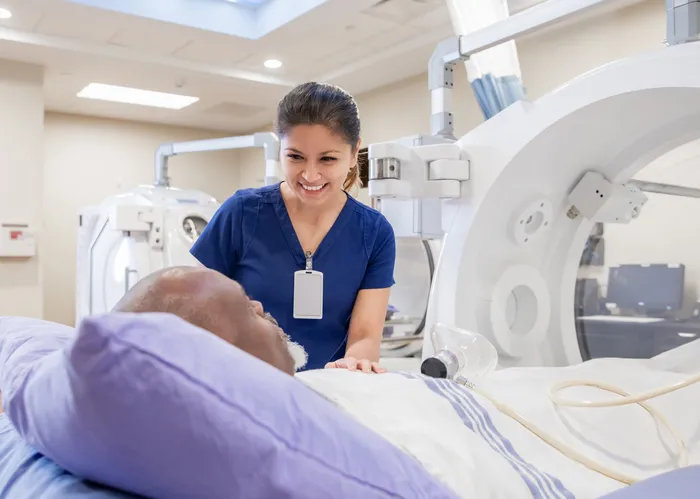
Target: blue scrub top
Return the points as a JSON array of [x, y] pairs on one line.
[[251, 240], [26, 474]]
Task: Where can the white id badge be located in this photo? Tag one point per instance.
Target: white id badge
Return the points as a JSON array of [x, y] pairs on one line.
[[308, 294]]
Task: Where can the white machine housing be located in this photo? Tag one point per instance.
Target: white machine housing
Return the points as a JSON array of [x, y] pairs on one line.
[[131, 235], [417, 225], [134, 234], [516, 220], [412, 215]]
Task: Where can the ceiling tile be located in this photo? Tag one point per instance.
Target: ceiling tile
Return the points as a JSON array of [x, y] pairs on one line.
[[256, 62], [299, 49], [233, 110], [385, 72], [354, 28], [139, 35], [439, 15], [393, 37], [335, 62], [79, 23], [402, 11], [25, 15], [349, 55], [307, 50], [295, 56], [217, 50]]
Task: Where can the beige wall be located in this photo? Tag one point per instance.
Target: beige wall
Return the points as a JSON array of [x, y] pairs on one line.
[[21, 165], [88, 159]]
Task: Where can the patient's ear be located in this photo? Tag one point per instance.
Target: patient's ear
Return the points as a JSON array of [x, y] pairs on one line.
[[258, 307]]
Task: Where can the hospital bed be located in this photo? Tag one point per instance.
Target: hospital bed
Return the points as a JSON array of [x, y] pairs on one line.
[[458, 436], [465, 440]]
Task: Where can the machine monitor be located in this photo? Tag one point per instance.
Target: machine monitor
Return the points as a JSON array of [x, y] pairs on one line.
[[652, 288]]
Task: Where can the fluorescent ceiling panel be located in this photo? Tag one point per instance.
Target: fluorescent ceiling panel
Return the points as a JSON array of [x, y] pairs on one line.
[[127, 95]]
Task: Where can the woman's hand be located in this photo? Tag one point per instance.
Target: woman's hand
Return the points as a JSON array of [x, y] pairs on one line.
[[353, 364]]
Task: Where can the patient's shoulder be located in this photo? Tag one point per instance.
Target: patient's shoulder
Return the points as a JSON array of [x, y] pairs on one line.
[[342, 385]]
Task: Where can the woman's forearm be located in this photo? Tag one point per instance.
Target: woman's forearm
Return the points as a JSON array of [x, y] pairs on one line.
[[365, 348]]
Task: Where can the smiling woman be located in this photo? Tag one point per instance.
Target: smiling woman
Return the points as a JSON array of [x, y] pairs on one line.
[[320, 262]]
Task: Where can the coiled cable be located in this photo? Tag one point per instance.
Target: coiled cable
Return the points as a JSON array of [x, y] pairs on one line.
[[626, 399]]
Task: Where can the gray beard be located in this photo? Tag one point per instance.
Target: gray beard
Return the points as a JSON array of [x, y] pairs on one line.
[[298, 354]]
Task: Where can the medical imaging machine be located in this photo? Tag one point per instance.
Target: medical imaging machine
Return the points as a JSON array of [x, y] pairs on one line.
[[517, 197], [131, 235]]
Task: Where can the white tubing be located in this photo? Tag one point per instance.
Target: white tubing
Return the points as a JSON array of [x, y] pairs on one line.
[[626, 399]]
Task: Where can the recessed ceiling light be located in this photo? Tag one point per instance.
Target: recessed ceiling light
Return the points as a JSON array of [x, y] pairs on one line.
[[5, 14], [127, 95], [273, 64]]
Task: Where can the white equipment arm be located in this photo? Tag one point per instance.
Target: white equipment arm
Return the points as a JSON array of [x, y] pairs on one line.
[[266, 140], [683, 25], [453, 50]]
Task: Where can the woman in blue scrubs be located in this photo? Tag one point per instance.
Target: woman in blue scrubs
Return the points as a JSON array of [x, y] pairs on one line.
[[320, 262]]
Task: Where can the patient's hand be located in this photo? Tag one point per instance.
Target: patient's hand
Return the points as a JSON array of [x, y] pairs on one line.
[[353, 364]]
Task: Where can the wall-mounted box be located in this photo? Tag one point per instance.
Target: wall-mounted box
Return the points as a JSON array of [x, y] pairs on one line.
[[17, 241]]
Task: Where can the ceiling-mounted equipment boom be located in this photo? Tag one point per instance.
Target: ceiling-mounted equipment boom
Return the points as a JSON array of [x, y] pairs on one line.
[[266, 140]]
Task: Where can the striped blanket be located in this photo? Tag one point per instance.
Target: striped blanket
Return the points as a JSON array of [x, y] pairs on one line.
[[474, 416], [463, 440]]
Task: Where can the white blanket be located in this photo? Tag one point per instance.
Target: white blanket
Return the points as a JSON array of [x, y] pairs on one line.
[[480, 453]]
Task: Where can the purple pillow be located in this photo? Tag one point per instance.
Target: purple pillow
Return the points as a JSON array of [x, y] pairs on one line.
[[23, 341], [152, 405]]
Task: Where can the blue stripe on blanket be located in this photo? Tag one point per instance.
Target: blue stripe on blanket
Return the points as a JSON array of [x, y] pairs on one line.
[[542, 485]]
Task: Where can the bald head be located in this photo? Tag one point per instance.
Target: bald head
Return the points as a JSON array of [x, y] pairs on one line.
[[211, 301], [197, 295]]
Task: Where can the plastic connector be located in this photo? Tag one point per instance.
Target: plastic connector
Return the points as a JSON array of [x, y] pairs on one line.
[[599, 200]]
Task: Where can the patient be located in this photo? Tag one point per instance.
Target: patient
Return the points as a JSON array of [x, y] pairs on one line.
[[215, 303], [200, 296]]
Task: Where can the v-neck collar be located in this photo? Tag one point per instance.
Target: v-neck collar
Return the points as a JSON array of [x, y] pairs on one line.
[[290, 234]]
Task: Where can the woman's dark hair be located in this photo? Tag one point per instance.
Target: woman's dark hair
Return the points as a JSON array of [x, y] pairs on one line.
[[315, 103]]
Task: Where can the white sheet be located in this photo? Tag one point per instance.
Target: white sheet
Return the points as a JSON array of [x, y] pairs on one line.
[[464, 441]]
